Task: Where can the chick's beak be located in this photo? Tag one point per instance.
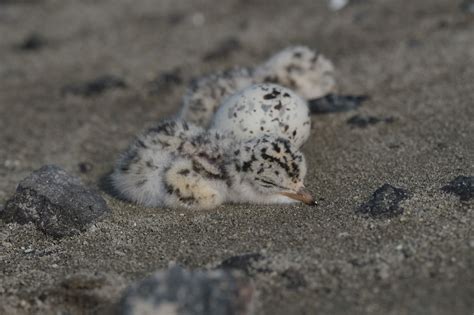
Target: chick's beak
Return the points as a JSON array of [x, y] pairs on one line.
[[301, 195]]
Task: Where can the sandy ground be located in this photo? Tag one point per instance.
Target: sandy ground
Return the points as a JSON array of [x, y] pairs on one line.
[[414, 58]]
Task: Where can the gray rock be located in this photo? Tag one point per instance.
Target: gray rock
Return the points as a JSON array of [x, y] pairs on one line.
[[55, 201], [182, 292], [333, 103], [384, 202], [463, 186]]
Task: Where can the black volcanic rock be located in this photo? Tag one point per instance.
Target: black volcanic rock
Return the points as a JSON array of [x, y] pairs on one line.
[[384, 202], [56, 202], [333, 103], [463, 186]]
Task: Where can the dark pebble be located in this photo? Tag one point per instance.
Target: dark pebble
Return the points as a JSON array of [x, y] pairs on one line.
[[95, 87], [467, 6], [165, 81], [332, 103], [223, 50], [19, 2], [463, 186], [180, 291], [175, 18], [85, 167], [56, 202], [384, 202], [364, 121], [32, 42], [244, 263]]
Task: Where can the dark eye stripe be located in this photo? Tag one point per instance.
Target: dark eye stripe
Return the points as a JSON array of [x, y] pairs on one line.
[[268, 182]]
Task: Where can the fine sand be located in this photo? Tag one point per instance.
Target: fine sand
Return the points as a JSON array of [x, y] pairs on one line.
[[415, 59]]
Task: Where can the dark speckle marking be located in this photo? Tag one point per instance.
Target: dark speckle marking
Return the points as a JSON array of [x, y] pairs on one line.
[[297, 54], [140, 183], [272, 95], [276, 147], [184, 172], [278, 106]]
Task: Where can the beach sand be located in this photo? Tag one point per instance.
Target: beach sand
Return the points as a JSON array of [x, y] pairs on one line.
[[415, 59]]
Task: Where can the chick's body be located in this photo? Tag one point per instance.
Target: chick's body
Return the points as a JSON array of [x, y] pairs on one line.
[[175, 164]]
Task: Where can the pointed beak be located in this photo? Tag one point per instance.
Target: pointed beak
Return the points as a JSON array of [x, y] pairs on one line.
[[301, 195]]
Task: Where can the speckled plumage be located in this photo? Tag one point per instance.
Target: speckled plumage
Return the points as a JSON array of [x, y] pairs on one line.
[[265, 109], [204, 95], [300, 68], [179, 165]]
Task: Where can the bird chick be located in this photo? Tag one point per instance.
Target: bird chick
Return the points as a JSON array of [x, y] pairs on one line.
[[265, 109], [300, 68], [178, 165]]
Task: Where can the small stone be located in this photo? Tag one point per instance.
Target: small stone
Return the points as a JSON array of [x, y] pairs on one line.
[[180, 291], [467, 6], [32, 42], [463, 186], [11, 164], [362, 121], [28, 250], [85, 167], [384, 202], [336, 5], [95, 87], [333, 103], [56, 202], [343, 235], [24, 304], [198, 19]]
